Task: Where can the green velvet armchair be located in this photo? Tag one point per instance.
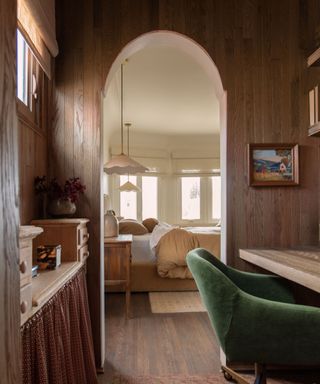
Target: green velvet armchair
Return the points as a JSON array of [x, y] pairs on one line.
[[255, 317]]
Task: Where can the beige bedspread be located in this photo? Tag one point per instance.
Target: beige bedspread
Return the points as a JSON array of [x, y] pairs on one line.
[[173, 247]]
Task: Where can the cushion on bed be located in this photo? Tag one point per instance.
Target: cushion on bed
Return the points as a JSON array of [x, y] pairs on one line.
[[132, 227], [150, 223]]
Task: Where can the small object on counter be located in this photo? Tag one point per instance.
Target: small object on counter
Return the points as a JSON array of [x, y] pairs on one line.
[[34, 272], [48, 256]]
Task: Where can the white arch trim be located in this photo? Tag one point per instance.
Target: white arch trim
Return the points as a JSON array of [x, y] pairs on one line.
[[200, 55]]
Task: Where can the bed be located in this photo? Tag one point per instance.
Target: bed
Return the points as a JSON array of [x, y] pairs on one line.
[[145, 261], [158, 262]]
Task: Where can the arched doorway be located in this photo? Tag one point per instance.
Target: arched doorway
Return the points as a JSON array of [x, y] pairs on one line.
[[187, 45]]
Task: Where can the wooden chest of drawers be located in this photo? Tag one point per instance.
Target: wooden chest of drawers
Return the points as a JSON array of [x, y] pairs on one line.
[[71, 234], [27, 234]]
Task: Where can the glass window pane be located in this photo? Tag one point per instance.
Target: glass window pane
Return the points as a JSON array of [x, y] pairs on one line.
[[22, 68], [190, 196], [216, 197], [128, 200], [149, 197]]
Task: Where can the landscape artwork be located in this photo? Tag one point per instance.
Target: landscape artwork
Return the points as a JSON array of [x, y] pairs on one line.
[[273, 165]]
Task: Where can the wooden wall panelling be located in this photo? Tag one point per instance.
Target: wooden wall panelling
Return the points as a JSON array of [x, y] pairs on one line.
[[10, 361], [33, 148], [32, 163], [259, 48], [93, 169]]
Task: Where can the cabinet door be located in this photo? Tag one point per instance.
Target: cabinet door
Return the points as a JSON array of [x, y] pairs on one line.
[[115, 259]]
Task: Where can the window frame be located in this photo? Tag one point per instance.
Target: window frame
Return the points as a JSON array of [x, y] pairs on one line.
[[117, 194], [205, 201], [214, 219], [181, 220], [34, 113], [169, 193]]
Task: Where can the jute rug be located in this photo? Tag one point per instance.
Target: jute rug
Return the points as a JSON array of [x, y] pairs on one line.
[[175, 302]]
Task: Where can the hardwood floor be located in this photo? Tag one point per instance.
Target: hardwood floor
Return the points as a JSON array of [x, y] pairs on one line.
[[166, 344]]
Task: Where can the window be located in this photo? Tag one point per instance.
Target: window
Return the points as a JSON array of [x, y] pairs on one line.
[[128, 200], [216, 197], [200, 199], [139, 205], [149, 197], [190, 198], [32, 86], [22, 68]]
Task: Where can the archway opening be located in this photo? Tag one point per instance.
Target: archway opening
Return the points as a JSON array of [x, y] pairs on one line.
[[187, 46]]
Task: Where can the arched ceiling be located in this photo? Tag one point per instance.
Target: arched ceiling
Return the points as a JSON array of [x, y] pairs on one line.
[[165, 91]]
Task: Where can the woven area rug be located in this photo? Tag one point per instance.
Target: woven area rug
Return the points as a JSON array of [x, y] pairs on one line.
[[170, 379], [175, 302]]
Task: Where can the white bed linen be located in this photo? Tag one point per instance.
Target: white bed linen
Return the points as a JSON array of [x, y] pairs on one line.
[[141, 250], [213, 230]]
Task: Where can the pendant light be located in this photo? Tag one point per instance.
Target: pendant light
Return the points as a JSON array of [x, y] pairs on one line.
[[123, 164], [128, 186]]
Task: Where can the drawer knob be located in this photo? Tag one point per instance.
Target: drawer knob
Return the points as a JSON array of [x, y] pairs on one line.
[[23, 267], [86, 254], [86, 236], [24, 306]]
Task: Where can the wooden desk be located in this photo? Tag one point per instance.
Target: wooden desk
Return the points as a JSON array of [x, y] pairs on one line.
[[117, 264], [299, 265]]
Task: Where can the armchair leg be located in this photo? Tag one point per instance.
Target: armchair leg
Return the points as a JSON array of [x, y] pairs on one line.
[[260, 374], [229, 374]]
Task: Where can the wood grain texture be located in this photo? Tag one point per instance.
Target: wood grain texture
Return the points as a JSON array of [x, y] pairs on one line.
[[10, 360], [33, 150], [260, 48], [300, 266], [71, 234], [148, 344]]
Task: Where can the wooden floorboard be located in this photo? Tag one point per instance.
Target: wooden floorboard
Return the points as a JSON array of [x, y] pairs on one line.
[[166, 344]]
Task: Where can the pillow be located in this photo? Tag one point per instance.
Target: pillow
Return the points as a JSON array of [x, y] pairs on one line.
[[159, 230], [150, 223], [132, 227]]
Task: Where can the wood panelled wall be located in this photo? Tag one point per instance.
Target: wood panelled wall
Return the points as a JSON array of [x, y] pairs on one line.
[[260, 49], [10, 362], [32, 163], [33, 151]]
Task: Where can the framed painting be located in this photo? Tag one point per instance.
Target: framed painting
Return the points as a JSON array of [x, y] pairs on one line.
[[273, 165]]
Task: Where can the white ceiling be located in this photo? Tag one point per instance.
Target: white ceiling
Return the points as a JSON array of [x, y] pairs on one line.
[[165, 91]]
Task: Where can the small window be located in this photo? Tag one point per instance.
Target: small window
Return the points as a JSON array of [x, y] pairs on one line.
[[22, 68], [190, 198], [128, 200], [216, 197], [149, 197]]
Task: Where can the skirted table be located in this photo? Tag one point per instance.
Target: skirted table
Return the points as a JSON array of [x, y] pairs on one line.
[[57, 341]]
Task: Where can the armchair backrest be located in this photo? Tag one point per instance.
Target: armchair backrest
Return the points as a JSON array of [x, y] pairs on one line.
[[264, 286], [217, 291]]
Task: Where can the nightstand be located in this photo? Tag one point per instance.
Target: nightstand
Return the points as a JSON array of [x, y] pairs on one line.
[[117, 264]]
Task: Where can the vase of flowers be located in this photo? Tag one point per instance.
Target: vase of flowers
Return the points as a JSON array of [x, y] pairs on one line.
[[62, 207], [62, 199]]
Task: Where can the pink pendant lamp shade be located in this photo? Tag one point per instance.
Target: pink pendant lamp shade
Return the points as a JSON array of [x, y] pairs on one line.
[[122, 165], [129, 187]]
